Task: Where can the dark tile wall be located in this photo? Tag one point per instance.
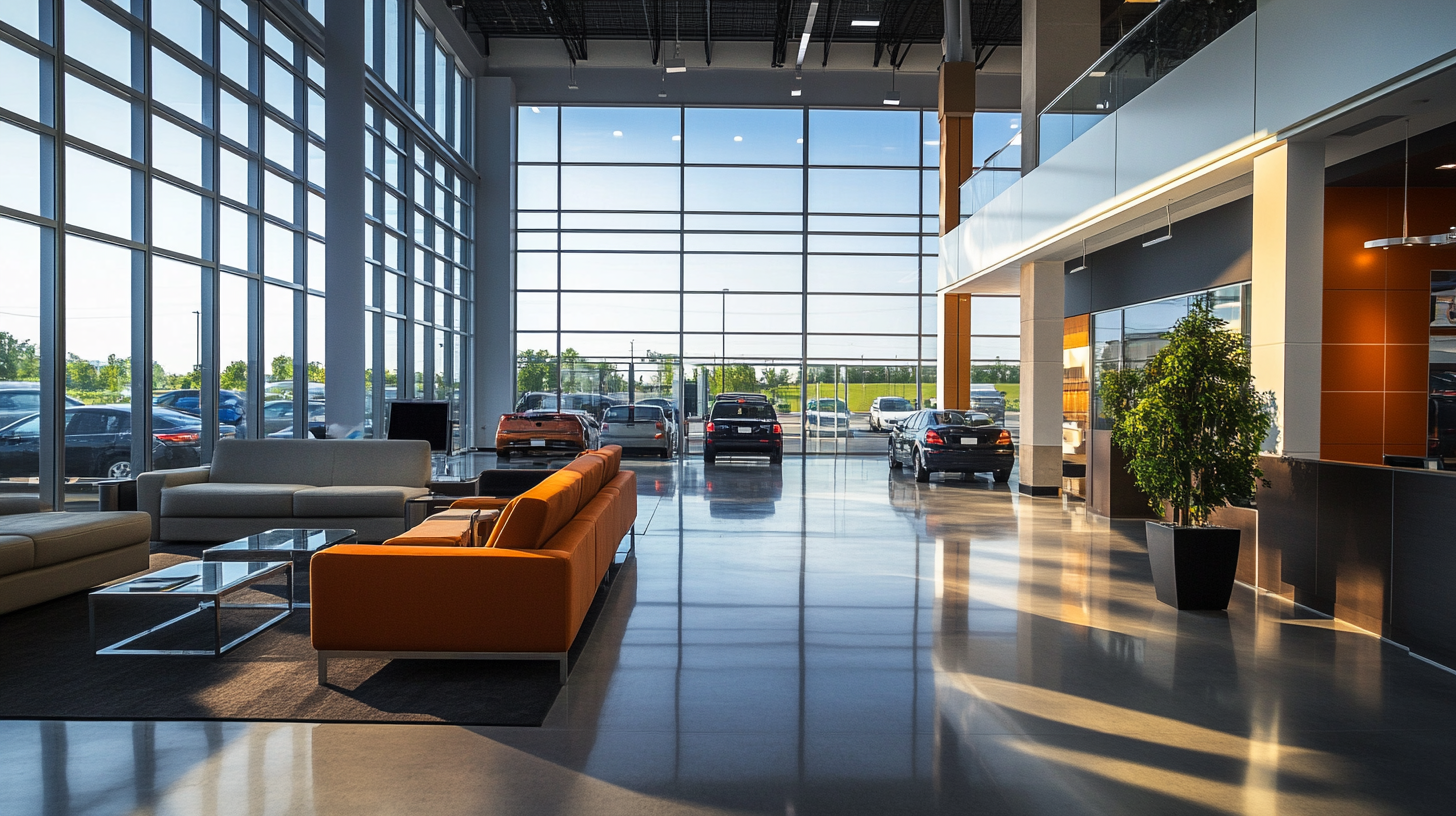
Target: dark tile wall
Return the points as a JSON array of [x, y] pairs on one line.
[[1422, 596]]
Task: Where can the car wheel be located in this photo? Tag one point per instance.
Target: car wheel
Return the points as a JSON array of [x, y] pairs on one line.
[[666, 454], [894, 463], [1003, 476], [118, 469], [922, 473]]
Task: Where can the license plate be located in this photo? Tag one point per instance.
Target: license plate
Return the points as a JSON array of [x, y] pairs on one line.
[[538, 443], [969, 441], [745, 430]]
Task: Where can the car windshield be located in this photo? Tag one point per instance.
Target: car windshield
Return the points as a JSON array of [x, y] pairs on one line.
[[833, 405], [742, 410], [894, 404], [644, 413], [952, 418]]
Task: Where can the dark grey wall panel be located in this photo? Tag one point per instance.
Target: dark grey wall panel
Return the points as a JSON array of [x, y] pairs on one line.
[[1423, 568], [1208, 250], [1352, 556], [1288, 507]]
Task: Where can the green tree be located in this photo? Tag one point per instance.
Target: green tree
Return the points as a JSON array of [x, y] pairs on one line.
[[281, 368], [535, 371], [1191, 422], [81, 375], [235, 376], [315, 371], [18, 358]]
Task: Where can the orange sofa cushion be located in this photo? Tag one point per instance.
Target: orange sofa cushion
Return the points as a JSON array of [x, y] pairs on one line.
[[479, 503], [593, 472], [613, 456], [533, 517], [435, 532]]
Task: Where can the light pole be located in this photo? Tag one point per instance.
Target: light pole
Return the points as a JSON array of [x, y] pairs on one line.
[[723, 350]]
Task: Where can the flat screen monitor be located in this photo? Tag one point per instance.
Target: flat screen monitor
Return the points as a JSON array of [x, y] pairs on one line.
[[421, 419]]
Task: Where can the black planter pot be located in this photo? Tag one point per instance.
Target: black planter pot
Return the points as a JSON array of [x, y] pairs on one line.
[[1193, 567]]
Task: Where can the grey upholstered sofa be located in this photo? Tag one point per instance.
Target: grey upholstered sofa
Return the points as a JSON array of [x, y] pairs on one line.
[[254, 485], [47, 555]]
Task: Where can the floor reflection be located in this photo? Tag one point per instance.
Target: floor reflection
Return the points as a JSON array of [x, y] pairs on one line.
[[825, 637]]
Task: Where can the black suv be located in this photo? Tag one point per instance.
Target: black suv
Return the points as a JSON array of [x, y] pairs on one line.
[[743, 423]]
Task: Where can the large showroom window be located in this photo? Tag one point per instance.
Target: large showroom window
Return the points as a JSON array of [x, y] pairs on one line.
[[419, 190], [170, 168], [757, 247]]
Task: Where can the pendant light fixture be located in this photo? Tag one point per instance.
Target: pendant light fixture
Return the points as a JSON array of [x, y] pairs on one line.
[[1406, 239], [1168, 211], [893, 96], [1083, 266]]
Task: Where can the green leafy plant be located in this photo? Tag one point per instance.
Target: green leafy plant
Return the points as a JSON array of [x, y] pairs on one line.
[[1191, 422]]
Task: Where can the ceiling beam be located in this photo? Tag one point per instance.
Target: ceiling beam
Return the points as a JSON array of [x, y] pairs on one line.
[[708, 31]]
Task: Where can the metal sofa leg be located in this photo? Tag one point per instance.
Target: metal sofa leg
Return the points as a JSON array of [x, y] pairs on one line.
[[323, 670]]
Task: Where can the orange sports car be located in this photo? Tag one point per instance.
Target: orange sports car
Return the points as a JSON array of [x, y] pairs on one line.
[[545, 432]]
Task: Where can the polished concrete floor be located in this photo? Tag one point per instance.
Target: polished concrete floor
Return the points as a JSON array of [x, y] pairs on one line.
[[827, 639]]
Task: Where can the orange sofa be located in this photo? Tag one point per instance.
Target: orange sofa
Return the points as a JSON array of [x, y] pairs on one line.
[[521, 594]]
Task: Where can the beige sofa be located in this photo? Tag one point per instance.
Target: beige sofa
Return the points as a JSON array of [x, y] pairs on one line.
[[254, 485], [47, 555]]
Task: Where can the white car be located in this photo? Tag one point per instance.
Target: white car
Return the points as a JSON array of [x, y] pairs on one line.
[[827, 417], [637, 427], [887, 412]]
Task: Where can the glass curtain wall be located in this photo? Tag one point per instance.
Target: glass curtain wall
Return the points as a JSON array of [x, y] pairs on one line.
[[419, 190], [160, 160], [763, 248]]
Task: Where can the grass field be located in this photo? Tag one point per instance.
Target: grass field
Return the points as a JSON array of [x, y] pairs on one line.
[[860, 395]]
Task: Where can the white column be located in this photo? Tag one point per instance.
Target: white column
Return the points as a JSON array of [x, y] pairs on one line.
[[1043, 308], [345, 356], [1288, 292], [494, 381]]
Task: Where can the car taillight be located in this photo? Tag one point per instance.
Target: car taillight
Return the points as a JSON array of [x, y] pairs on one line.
[[606, 426], [657, 436], [1004, 438], [933, 438], [659, 427], [708, 428], [178, 438], [778, 429]]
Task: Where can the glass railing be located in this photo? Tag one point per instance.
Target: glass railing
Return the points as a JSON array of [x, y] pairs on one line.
[[1000, 170], [1163, 41]]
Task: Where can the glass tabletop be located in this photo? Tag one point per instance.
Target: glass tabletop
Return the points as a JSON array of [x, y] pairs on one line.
[[288, 540], [193, 577]]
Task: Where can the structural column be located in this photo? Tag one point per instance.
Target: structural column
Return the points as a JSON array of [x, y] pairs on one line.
[[344, 272], [957, 108], [953, 372], [494, 382], [1059, 40], [1043, 309], [1287, 292]]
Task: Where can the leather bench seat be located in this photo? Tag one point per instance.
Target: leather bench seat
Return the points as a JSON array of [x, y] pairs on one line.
[[17, 554], [62, 537]]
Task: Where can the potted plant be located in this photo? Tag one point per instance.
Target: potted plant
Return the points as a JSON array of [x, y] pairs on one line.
[[1191, 424]]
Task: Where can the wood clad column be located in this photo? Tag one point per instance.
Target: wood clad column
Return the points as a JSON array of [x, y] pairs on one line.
[[1043, 309], [957, 108], [954, 371]]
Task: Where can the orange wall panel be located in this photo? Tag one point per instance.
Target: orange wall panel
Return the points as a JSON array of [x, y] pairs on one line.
[[1362, 454], [1408, 315], [1354, 316], [1405, 418], [1354, 215], [1407, 368], [1352, 417], [1352, 368]]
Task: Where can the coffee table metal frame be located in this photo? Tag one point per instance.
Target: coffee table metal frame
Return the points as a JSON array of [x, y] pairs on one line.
[[206, 600], [228, 553]]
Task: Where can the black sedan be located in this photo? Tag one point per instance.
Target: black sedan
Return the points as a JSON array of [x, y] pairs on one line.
[[98, 442], [952, 442]]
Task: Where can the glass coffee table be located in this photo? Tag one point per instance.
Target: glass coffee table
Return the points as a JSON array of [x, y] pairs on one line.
[[296, 545], [198, 588]]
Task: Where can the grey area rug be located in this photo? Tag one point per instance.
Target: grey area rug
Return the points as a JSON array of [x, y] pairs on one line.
[[48, 672]]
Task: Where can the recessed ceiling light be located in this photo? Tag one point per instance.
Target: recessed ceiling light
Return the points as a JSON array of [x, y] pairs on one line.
[[1446, 167], [1097, 74], [617, 133], [737, 138], [865, 23], [796, 92]]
